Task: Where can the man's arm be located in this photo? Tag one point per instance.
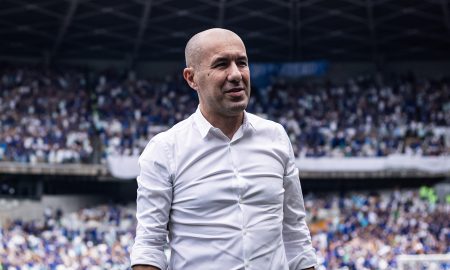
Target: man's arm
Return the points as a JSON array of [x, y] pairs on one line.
[[296, 237], [154, 199]]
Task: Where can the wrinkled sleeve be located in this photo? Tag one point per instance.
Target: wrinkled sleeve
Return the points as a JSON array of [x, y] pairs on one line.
[[296, 236], [154, 198]]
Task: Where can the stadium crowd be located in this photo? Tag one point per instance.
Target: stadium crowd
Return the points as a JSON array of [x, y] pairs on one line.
[[44, 117], [354, 231], [74, 117], [369, 231], [93, 238]]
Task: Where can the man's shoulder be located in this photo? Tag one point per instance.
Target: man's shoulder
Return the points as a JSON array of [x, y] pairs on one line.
[[164, 141], [170, 134], [259, 122], [265, 127]]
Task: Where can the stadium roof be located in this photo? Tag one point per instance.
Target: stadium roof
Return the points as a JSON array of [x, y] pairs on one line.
[[274, 30]]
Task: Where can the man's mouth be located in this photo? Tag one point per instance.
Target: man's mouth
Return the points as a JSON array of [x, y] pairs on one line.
[[235, 90]]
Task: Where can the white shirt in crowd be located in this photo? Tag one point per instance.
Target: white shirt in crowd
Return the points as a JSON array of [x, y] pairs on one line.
[[225, 204]]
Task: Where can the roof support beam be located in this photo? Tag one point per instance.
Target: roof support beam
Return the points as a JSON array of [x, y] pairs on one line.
[[221, 17], [425, 33], [309, 3], [27, 29], [342, 13], [142, 28], [280, 3], [372, 32], [96, 8], [189, 13], [235, 2], [65, 25], [294, 30], [328, 33], [261, 13], [416, 10], [39, 9], [300, 51], [446, 12]]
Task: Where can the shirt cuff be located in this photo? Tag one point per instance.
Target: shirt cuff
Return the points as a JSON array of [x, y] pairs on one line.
[[148, 256], [304, 260]]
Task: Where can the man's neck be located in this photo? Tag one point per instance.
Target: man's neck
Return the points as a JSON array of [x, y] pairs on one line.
[[227, 124]]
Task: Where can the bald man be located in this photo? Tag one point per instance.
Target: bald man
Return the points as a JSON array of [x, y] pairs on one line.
[[222, 184]]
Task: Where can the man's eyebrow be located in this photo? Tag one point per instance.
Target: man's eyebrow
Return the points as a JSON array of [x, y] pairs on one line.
[[226, 58], [243, 57], [220, 58]]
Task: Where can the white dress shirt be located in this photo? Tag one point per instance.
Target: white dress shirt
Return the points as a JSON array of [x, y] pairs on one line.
[[225, 204]]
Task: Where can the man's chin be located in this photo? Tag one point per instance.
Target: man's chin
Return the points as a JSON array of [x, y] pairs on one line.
[[237, 108]]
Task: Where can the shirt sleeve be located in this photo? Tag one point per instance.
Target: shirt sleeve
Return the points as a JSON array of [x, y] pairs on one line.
[[154, 198], [296, 236]]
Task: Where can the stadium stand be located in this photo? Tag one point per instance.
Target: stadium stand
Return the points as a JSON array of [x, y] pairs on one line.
[[63, 131], [81, 118], [50, 117], [44, 117], [369, 231], [352, 231]]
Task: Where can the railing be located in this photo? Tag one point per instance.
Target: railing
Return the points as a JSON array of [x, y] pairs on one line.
[[125, 167], [429, 261], [53, 169]]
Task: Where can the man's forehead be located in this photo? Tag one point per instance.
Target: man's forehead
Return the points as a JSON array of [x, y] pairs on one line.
[[224, 45], [217, 41], [211, 42]]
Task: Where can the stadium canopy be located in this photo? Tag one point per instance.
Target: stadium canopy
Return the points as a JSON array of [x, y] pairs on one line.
[[274, 30]]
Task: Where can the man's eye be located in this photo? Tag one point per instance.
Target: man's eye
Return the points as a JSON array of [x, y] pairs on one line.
[[243, 63], [221, 64]]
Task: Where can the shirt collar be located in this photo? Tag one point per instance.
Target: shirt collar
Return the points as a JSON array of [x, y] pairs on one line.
[[204, 126]]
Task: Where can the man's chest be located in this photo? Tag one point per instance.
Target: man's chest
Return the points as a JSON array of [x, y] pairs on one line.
[[219, 175]]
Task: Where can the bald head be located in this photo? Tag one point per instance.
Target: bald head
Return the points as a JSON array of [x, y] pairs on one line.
[[197, 43]]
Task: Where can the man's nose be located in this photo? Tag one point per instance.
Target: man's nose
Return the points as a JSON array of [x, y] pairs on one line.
[[234, 74]]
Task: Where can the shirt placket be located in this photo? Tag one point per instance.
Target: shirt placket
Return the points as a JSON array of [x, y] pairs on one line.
[[239, 185]]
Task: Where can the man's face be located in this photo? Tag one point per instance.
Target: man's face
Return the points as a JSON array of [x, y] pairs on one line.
[[222, 76]]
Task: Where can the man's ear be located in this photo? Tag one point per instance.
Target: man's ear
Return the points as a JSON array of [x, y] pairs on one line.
[[188, 74]]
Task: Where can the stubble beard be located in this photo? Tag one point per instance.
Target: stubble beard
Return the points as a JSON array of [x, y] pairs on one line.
[[235, 108]]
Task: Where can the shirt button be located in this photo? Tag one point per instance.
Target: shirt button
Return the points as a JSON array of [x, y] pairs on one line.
[[244, 231], [240, 200]]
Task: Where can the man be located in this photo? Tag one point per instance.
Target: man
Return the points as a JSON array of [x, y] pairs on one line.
[[223, 183]]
